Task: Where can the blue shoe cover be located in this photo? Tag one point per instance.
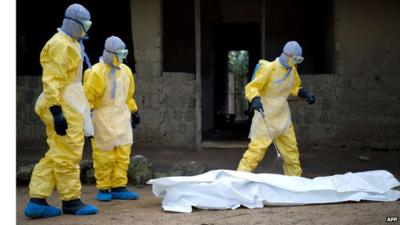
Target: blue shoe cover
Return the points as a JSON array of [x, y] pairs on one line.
[[104, 196], [124, 195], [33, 210], [87, 210]]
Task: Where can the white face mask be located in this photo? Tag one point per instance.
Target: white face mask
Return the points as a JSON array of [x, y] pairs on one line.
[[115, 61]]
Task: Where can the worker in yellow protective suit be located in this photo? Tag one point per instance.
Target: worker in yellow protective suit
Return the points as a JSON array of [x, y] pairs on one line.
[[269, 90], [109, 86], [64, 110]]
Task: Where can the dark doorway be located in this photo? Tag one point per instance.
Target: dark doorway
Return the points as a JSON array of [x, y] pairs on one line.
[[37, 21], [229, 123], [308, 22]]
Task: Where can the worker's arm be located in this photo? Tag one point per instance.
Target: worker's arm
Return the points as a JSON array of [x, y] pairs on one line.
[[262, 77], [94, 86], [59, 63], [130, 101], [300, 91], [297, 83]]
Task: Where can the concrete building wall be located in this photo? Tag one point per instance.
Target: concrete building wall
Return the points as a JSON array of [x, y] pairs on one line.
[[358, 106], [30, 130], [315, 124], [367, 50], [166, 101]]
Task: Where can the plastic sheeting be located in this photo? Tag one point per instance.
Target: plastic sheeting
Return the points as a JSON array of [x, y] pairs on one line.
[[227, 189]]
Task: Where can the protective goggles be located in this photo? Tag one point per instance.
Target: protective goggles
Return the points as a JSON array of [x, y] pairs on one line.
[[121, 54], [85, 24], [296, 59]]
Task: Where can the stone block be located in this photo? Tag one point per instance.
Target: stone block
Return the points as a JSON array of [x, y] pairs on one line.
[[24, 174], [194, 168], [139, 170]]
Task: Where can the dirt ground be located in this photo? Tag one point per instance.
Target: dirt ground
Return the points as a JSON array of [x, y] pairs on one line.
[[147, 210], [315, 162]]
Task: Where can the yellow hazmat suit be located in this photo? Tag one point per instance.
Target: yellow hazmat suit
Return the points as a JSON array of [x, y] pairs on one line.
[[273, 84], [62, 74], [111, 119]]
